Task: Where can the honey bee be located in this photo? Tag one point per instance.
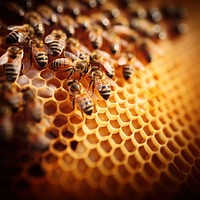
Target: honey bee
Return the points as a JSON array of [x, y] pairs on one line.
[[84, 22], [19, 33], [146, 48], [12, 62], [101, 19], [6, 126], [95, 36], [10, 96], [57, 40], [90, 3], [111, 10], [155, 14], [101, 82], [34, 19], [129, 61], [47, 14], [71, 64], [68, 24], [32, 105], [137, 10], [80, 96], [101, 59], [39, 51], [58, 5]]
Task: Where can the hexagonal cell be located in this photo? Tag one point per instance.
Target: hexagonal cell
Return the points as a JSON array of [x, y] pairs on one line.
[[60, 120], [60, 145], [187, 156], [152, 144], [141, 181], [50, 107], [175, 172], [103, 131], [118, 154], [105, 145], [156, 125], [167, 154], [38, 82], [82, 166], [45, 92], [157, 161], [51, 158], [144, 153], [194, 151], [23, 80], [117, 138], [136, 124], [133, 162], [124, 117], [53, 83], [149, 170], [124, 173], [139, 137], [92, 139], [102, 117], [73, 145], [178, 139], [96, 175], [66, 107], [160, 138], [52, 133], [166, 181], [114, 124], [113, 111], [112, 183], [91, 123], [173, 147], [60, 95], [148, 130], [181, 164], [127, 130], [66, 133], [94, 156], [130, 147], [67, 159], [31, 74], [108, 164], [46, 74]]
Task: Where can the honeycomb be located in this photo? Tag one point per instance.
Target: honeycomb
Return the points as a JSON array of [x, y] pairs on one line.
[[141, 143]]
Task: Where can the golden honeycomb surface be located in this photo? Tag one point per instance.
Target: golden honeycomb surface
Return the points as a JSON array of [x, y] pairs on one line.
[[141, 143]]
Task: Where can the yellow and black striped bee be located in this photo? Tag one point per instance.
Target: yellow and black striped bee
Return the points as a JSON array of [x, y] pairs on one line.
[[39, 51], [12, 62], [19, 34], [57, 41], [101, 82], [32, 105], [34, 19], [80, 96], [129, 62], [9, 96], [71, 64]]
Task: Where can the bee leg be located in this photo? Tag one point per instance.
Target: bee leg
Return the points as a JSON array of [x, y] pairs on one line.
[[71, 72], [30, 56], [22, 69], [73, 103]]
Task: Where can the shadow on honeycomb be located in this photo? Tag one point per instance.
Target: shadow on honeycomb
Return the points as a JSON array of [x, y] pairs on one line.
[[141, 143]]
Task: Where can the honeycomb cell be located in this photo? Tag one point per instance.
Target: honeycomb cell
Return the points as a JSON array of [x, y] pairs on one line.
[[117, 138], [53, 83], [175, 172], [157, 161], [45, 92], [91, 123], [141, 181], [106, 146], [150, 171], [124, 173], [103, 131], [167, 154], [187, 156], [23, 80], [66, 133], [127, 130], [92, 139], [73, 145], [46, 74], [38, 82], [61, 75], [119, 155], [50, 107], [181, 164], [130, 147], [52, 133], [113, 111], [152, 144], [173, 147], [115, 124], [94, 156], [108, 163], [124, 117], [60, 120], [102, 117], [51, 158], [31, 74], [66, 107], [139, 137], [60, 145], [144, 153]]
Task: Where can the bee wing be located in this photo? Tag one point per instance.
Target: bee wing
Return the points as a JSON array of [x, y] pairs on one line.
[[139, 65], [45, 21], [112, 83], [103, 53], [155, 48], [122, 60], [108, 67], [13, 27], [4, 58], [68, 54], [49, 38], [22, 37]]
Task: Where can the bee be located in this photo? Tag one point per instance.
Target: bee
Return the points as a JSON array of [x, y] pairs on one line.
[[90, 3], [6, 125], [84, 22], [19, 33], [145, 49], [129, 61], [111, 10], [101, 82], [39, 51], [10, 96], [47, 14], [101, 59], [32, 105], [57, 5], [137, 10], [34, 19], [80, 96], [71, 64], [95, 36], [68, 24], [12, 62], [155, 14], [57, 40], [101, 19]]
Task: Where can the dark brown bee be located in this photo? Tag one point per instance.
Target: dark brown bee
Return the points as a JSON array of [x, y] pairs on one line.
[[19, 34], [39, 51], [12, 62], [34, 19], [32, 105], [56, 41], [80, 96]]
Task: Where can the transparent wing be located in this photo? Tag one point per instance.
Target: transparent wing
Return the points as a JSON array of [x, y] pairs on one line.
[[108, 67], [112, 83], [139, 65], [4, 58], [13, 27], [22, 37], [68, 54], [49, 38], [122, 60]]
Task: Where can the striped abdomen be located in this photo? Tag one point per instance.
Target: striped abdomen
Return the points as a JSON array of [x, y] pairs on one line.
[[41, 59], [11, 71], [127, 71], [104, 88], [12, 37], [85, 103], [60, 63], [56, 48]]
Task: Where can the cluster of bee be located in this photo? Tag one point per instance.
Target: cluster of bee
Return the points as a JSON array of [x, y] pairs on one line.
[[86, 39]]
